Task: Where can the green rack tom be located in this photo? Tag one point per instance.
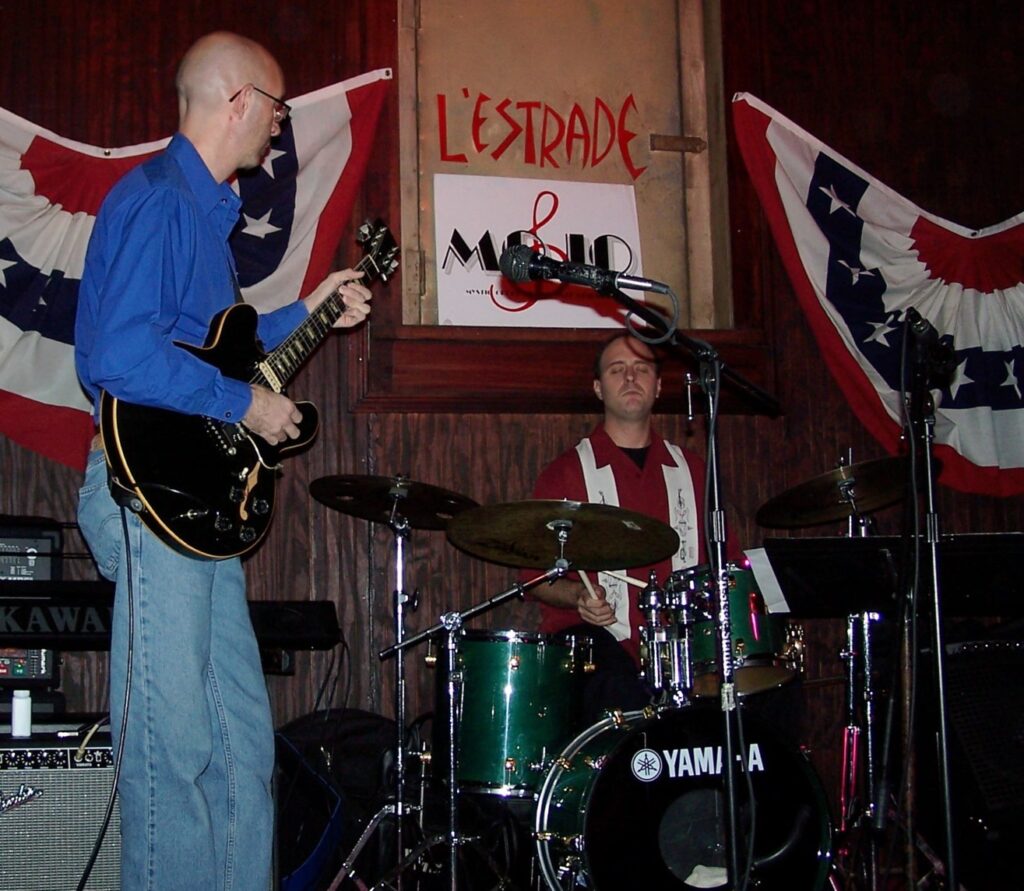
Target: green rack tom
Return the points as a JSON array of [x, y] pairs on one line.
[[766, 649]]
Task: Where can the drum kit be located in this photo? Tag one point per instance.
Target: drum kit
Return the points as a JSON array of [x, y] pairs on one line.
[[635, 799]]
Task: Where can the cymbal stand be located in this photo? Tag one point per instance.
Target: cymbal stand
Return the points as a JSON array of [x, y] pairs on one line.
[[450, 624], [399, 527]]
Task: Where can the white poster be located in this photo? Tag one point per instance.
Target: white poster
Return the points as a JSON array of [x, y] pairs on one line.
[[478, 217]]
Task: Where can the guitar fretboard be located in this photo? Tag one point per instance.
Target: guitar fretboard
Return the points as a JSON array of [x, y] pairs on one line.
[[286, 360]]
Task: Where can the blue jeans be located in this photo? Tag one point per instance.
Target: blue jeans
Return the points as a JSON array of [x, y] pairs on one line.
[[195, 784]]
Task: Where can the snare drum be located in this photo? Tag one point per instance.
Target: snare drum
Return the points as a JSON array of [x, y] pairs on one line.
[[519, 699], [638, 801], [766, 649]]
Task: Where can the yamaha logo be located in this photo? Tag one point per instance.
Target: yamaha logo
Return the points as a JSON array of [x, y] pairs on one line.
[[646, 765]]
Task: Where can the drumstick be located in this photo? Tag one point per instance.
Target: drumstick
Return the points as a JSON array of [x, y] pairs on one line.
[[628, 579], [586, 584]]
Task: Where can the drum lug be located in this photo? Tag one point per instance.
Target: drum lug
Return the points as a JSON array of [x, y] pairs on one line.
[[740, 653], [794, 652]]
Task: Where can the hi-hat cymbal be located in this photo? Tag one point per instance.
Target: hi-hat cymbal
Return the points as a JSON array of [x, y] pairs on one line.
[[597, 536], [379, 498], [873, 484]]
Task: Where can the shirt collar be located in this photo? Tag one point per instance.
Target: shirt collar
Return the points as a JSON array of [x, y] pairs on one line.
[[210, 194], [606, 451]]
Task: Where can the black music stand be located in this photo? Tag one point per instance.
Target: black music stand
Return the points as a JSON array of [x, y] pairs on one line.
[[832, 577]]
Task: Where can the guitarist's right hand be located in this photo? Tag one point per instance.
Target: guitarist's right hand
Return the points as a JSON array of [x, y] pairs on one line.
[[272, 415]]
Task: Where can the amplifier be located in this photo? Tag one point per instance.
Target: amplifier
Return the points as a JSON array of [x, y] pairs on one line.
[[53, 794]]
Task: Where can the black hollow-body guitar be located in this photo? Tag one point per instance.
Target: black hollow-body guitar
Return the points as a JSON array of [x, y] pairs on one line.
[[204, 486]]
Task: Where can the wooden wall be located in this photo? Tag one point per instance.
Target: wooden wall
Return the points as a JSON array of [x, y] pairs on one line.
[[924, 96]]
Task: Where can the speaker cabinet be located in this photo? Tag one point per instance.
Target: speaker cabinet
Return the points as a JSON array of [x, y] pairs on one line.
[[53, 795], [985, 709]]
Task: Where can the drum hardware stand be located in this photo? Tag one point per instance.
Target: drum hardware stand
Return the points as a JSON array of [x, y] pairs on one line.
[[857, 802], [932, 366], [450, 624], [851, 796], [663, 647]]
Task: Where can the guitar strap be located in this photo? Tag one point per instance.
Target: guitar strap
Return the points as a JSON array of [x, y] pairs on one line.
[[122, 495]]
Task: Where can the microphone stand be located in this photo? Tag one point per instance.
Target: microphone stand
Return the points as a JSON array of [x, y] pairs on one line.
[[712, 373], [932, 365]]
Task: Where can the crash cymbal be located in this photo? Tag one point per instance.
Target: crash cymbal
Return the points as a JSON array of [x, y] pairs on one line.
[[379, 498], [874, 485], [598, 536]]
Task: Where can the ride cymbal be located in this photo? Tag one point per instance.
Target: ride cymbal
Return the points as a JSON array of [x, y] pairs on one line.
[[871, 485], [597, 536], [380, 498]]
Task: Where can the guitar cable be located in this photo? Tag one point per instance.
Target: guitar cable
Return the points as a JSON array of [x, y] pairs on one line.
[[108, 813]]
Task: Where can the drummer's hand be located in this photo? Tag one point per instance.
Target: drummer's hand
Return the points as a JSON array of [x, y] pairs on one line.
[[595, 610]]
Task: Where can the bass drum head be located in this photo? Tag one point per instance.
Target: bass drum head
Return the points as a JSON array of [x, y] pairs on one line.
[[642, 804]]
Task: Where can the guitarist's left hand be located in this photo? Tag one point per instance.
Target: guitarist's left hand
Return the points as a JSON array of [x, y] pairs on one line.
[[355, 296]]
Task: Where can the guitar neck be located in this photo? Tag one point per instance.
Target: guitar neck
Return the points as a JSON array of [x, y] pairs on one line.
[[286, 360]]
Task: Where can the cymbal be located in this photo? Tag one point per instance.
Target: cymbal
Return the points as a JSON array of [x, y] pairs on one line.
[[598, 536], [875, 484], [379, 498]]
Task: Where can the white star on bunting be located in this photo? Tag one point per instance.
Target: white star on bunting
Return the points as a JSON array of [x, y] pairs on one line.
[[1011, 379], [259, 227], [880, 334], [837, 202], [4, 266], [268, 161], [960, 379], [856, 272]]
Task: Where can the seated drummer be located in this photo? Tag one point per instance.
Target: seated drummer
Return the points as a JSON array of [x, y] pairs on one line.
[[623, 462]]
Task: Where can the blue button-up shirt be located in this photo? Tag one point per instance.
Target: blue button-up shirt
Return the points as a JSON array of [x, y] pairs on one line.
[[157, 269]]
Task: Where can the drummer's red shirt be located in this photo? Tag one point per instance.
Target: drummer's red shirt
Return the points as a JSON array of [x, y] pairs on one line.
[[642, 491]]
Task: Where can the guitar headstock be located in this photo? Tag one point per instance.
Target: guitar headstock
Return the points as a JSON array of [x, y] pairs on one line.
[[380, 251]]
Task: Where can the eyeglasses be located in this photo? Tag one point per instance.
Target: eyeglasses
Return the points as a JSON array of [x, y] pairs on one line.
[[281, 108]]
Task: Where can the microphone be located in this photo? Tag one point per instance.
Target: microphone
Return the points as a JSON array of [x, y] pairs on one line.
[[922, 330], [520, 263], [935, 359]]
